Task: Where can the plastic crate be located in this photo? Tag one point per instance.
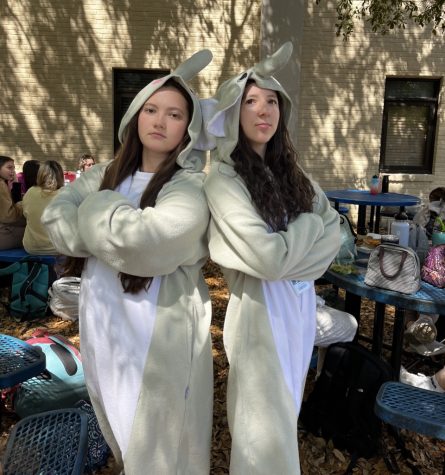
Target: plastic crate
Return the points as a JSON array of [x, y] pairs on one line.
[[49, 443]]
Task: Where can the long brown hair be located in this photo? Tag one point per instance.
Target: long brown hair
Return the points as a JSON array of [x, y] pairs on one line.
[[126, 163], [279, 189]]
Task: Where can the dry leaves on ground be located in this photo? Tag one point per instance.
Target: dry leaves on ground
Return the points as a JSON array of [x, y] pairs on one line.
[[317, 456]]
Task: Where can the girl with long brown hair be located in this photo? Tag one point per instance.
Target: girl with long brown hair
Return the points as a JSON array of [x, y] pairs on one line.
[[140, 224], [272, 232]]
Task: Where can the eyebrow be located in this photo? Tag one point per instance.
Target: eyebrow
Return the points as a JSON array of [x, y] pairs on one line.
[[169, 109], [269, 95]]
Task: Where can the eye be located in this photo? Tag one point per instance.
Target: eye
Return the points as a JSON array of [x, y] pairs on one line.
[[250, 101], [149, 109], [273, 101]]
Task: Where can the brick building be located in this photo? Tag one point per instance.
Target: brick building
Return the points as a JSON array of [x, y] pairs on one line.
[[371, 104]]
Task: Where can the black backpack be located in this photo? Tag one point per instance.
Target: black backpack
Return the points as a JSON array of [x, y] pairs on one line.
[[341, 405]]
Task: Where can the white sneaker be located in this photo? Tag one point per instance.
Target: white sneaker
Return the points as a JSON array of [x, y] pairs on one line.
[[419, 380]]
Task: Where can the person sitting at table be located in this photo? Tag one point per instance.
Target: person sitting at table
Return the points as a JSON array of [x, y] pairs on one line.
[[86, 161], [49, 181], [428, 212], [436, 382], [28, 176], [333, 326], [12, 222]]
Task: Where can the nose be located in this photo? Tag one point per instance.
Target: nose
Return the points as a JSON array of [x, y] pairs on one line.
[[159, 121], [263, 108]]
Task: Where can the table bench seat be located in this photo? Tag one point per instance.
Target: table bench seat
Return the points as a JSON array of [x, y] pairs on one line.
[[14, 255]]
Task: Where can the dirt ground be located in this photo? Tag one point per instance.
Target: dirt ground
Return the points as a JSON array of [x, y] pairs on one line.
[[318, 457]]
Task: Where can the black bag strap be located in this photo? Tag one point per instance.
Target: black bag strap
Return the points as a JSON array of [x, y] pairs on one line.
[[10, 269], [398, 271], [32, 276]]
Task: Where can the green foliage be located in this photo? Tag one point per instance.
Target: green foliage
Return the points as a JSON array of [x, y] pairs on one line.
[[386, 15]]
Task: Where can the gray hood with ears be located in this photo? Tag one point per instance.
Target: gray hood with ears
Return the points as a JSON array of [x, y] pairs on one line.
[[184, 72], [224, 107]]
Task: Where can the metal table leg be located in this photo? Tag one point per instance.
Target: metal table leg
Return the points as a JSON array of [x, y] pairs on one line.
[[397, 341]]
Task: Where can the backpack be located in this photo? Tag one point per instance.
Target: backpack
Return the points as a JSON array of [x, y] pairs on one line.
[[341, 404], [60, 386], [348, 250], [433, 269], [29, 289]]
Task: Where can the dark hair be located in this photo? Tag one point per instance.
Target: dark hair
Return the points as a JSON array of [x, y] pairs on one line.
[[279, 189], [30, 169], [437, 194], [4, 159], [127, 161]]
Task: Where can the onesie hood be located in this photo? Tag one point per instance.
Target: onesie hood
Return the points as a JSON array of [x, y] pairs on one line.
[[183, 73], [223, 110]]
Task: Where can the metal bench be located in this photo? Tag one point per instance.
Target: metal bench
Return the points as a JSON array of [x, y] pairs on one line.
[[53, 442], [14, 255], [408, 407]]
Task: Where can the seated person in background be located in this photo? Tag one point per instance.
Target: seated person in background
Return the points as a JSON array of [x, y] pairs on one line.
[[428, 213], [28, 176], [49, 181], [333, 326], [12, 222], [436, 382], [86, 161]]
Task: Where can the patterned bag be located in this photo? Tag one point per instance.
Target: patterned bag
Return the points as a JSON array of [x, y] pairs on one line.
[[394, 267], [98, 450], [433, 269]]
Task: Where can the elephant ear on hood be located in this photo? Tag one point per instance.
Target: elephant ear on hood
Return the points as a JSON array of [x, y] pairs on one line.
[[223, 121], [184, 72]]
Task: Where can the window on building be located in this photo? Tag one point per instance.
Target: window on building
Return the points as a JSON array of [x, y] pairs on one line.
[[126, 84], [409, 125]]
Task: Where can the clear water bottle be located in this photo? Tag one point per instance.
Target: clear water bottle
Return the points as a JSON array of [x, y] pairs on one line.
[[400, 228]]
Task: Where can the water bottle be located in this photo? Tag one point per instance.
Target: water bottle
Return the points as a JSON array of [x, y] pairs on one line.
[[375, 185], [400, 228]]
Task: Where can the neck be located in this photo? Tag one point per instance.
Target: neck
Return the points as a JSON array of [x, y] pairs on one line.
[[152, 162]]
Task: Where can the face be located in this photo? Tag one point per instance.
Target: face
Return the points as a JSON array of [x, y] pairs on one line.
[[162, 122], [259, 116], [88, 163], [7, 171]]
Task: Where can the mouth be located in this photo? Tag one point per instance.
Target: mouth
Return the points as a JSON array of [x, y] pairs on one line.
[[263, 126], [157, 135]]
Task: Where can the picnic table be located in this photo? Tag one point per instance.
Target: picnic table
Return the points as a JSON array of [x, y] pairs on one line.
[[364, 198], [428, 299]]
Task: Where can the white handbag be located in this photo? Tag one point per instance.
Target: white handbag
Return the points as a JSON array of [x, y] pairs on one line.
[[394, 267]]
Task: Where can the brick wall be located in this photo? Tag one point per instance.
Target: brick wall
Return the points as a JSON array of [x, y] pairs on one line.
[[57, 58], [341, 99]]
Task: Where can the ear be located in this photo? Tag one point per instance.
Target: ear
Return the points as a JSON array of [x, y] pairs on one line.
[[206, 140], [192, 66], [270, 65]]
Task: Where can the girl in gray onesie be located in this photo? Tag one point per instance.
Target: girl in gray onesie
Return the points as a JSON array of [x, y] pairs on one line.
[[140, 221], [273, 232]]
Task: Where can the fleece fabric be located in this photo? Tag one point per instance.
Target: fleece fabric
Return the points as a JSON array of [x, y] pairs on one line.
[[262, 412], [172, 424]]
